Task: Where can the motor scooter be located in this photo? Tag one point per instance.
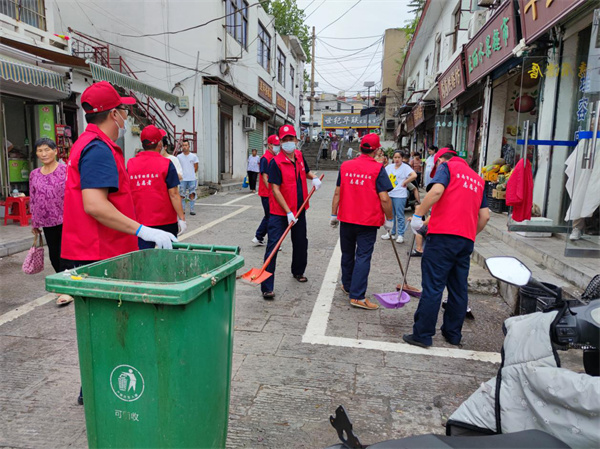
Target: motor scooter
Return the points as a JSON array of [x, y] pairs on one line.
[[532, 402]]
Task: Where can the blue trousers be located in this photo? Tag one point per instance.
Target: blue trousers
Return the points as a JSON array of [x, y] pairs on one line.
[[445, 263], [277, 226], [398, 206], [264, 224], [187, 190], [357, 242]]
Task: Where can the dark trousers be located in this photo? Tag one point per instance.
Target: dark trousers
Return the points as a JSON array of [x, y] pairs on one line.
[[252, 175], [261, 232], [67, 264], [53, 236], [357, 244], [418, 180], [445, 263], [173, 228], [277, 226]]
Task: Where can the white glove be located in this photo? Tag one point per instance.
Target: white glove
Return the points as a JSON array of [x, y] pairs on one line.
[[416, 223], [316, 183], [334, 222], [291, 218], [182, 226], [161, 238], [388, 225]]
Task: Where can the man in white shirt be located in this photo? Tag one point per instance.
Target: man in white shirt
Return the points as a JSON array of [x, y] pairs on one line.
[[429, 164], [189, 166], [172, 158]]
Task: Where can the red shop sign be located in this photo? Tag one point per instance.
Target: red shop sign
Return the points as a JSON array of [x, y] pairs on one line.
[[281, 103], [492, 45], [452, 82], [291, 110], [539, 16]]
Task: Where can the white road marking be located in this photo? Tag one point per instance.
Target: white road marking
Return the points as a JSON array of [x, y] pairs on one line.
[[317, 325], [187, 235], [243, 197], [26, 308]]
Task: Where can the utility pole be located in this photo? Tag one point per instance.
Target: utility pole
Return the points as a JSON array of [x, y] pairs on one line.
[[312, 88], [368, 85]]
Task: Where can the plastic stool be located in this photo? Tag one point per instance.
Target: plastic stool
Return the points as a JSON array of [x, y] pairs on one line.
[[17, 209]]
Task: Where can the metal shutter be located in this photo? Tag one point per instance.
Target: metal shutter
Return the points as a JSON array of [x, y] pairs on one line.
[[256, 138]]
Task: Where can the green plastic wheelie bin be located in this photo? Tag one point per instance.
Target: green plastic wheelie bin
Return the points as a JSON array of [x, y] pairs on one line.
[[155, 339]]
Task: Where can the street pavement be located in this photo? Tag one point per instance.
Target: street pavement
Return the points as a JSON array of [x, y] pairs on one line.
[[295, 358]]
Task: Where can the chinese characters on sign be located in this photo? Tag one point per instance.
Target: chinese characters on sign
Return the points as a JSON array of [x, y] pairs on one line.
[[418, 114], [144, 180], [554, 70], [358, 179], [473, 184], [281, 104], [127, 416], [349, 121], [492, 45], [291, 110], [538, 16], [452, 82], [265, 91]]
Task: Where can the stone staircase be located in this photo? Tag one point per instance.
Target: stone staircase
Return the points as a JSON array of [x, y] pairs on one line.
[[311, 151]]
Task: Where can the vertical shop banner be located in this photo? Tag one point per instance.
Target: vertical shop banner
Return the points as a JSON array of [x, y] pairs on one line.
[[46, 121], [493, 44], [281, 103], [265, 91], [418, 115], [452, 82], [291, 110], [537, 17]]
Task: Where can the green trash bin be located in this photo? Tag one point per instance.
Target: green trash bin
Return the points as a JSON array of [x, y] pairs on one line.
[[155, 338]]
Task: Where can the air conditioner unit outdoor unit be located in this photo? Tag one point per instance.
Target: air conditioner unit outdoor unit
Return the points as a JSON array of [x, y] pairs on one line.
[[249, 123]]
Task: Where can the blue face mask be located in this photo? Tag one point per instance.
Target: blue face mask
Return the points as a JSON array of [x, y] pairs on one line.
[[288, 147], [276, 149]]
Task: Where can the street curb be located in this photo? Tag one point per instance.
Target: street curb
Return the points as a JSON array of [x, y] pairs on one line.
[[14, 247]]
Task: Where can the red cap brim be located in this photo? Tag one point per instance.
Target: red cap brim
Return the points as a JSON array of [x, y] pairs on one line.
[[128, 100]]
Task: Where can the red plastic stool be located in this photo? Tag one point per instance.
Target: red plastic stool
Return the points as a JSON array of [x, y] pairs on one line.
[[17, 209]]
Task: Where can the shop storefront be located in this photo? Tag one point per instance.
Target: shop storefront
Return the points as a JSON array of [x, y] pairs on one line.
[[34, 103]]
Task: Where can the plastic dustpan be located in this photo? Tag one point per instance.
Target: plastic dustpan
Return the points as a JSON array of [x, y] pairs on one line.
[[392, 300]]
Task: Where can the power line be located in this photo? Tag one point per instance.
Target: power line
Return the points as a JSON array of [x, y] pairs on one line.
[[347, 49], [347, 11], [363, 74], [314, 10], [346, 38]]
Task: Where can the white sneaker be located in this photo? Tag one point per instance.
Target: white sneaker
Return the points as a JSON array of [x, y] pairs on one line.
[[575, 234], [386, 236], [258, 242], [400, 239]]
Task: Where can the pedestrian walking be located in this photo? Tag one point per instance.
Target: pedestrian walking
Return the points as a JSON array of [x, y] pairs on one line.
[[189, 165], [400, 175], [334, 149], [99, 215], [264, 189], [155, 187], [46, 203], [459, 212], [416, 164], [429, 164], [350, 135], [253, 169], [288, 172], [361, 204]]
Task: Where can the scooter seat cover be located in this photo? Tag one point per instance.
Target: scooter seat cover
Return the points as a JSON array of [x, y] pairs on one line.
[[535, 392]]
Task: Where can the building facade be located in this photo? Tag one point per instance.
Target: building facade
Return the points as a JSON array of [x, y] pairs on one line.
[[394, 47]]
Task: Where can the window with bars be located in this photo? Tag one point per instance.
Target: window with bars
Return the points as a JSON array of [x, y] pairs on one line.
[[237, 20], [292, 75], [31, 12], [280, 67], [264, 48]]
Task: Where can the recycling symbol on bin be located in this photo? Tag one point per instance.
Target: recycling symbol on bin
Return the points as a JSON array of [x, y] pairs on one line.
[[127, 383]]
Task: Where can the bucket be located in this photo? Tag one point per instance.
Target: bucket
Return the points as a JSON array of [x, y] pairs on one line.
[[528, 297]]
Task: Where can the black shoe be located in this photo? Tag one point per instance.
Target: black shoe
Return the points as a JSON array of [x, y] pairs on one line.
[[192, 213], [80, 400], [408, 338], [469, 315], [444, 305], [268, 295], [451, 343]]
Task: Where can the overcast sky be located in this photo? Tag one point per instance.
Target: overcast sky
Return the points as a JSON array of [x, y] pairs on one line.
[[369, 18]]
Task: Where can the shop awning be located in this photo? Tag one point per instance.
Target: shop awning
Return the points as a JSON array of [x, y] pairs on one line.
[[21, 72], [101, 73]]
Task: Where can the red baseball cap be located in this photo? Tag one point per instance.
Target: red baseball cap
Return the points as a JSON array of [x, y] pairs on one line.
[[273, 140], [370, 142], [102, 97], [152, 135], [286, 130], [438, 155]]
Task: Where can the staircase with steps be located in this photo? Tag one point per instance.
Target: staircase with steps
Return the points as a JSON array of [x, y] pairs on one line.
[[310, 152]]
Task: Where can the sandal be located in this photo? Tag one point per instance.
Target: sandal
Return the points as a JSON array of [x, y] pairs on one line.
[[416, 253], [363, 304], [268, 295], [63, 300], [300, 278]]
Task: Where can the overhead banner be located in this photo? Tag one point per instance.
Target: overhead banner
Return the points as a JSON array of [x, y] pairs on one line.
[[341, 121], [452, 82], [493, 44]]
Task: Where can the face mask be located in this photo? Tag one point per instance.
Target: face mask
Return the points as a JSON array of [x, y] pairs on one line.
[[123, 130], [288, 147], [276, 149]]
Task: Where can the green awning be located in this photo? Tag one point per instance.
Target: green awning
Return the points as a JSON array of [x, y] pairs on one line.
[[101, 73], [21, 72]]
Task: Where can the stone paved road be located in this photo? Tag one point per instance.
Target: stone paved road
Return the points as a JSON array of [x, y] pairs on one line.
[[283, 389]]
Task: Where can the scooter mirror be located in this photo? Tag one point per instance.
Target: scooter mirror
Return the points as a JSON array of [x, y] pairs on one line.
[[508, 269]]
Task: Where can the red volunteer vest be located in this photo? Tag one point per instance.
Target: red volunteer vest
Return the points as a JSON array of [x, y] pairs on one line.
[[148, 181], [84, 238], [289, 174], [263, 190], [359, 200], [457, 211]]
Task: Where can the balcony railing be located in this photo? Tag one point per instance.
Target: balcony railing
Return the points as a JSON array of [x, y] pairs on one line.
[[31, 12]]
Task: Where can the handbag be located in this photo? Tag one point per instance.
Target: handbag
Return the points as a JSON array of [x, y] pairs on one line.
[[245, 183], [34, 261]]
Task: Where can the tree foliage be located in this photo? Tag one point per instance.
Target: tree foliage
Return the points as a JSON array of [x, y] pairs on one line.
[[289, 20]]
